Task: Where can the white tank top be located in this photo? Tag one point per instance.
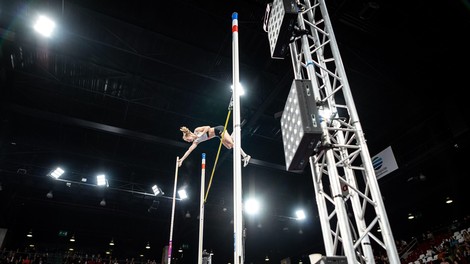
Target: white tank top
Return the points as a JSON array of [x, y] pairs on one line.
[[201, 137]]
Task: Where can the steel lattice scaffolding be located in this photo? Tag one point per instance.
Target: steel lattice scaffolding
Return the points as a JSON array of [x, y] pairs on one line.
[[348, 197]]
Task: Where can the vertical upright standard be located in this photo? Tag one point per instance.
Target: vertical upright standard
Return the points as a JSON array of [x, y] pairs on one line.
[[170, 244], [237, 171], [349, 201], [201, 209]]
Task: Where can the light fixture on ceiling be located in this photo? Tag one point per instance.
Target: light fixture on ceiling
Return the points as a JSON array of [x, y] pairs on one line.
[[449, 201], [50, 195], [56, 173], [157, 191], [44, 26], [241, 90], [252, 206], [266, 258], [148, 245], [182, 194], [103, 202], [101, 180], [72, 238], [30, 233], [300, 214], [111, 243], [411, 216]]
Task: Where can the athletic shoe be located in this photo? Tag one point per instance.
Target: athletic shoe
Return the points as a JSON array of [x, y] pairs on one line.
[[246, 160]]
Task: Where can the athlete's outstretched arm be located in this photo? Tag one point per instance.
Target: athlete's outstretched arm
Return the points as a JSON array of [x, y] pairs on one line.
[[186, 154]]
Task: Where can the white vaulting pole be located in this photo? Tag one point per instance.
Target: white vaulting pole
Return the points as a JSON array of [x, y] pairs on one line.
[[237, 175], [201, 210], [170, 244]]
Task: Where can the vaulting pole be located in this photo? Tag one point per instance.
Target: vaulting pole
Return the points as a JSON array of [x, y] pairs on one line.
[[201, 210], [170, 244], [237, 175]]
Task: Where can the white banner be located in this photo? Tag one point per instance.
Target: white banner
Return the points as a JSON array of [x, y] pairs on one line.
[[384, 163]]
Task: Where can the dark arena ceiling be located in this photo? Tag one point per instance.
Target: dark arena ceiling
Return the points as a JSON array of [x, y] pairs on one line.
[[108, 92]]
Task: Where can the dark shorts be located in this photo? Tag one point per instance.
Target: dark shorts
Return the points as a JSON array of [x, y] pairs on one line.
[[218, 130]]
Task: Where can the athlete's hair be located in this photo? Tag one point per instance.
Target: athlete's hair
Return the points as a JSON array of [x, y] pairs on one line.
[[186, 132]]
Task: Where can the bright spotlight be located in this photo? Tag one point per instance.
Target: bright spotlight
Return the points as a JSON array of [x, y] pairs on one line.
[[156, 190], [241, 90], [300, 214], [252, 206], [56, 173], [182, 194], [101, 180], [44, 26], [326, 114]]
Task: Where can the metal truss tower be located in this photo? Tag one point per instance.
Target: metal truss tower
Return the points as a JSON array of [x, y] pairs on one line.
[[350, 205]]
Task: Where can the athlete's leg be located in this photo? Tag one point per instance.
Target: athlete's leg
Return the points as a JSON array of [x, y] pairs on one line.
[[227, 140], [246, 157]]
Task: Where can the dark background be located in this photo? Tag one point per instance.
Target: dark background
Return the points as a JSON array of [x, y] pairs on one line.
[[108, 93]]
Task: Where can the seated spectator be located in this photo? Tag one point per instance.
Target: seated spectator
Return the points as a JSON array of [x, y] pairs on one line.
[[466, 236]]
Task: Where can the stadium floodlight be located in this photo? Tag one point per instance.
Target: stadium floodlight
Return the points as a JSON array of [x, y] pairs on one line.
[[156, 190], [241, 90], [252, 206], [300, 125], [448, 200], [300, 214], [182, 194], [44, 26], [101, 180], [280, 26], [56, 173]]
